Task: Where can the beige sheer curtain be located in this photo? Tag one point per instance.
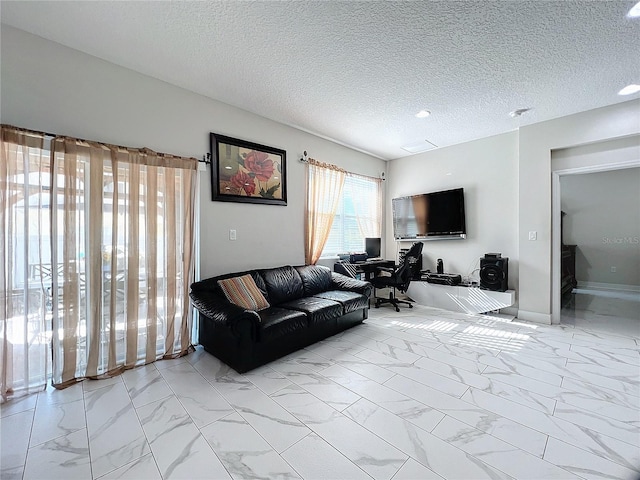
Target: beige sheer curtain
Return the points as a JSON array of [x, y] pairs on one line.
[[25, 262], [325, 183], [367, 203], [124, 230]]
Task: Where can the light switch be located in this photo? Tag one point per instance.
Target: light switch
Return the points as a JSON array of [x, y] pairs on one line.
[[533, 235], [232, 234]]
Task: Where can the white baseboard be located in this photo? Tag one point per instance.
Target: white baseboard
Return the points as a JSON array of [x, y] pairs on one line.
[[609, 286], [535, 317]]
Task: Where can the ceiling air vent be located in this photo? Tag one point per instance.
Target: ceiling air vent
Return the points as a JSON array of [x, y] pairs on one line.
[[419, 147]]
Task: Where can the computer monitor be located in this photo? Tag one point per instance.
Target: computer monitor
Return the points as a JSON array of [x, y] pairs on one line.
[[372, 247]]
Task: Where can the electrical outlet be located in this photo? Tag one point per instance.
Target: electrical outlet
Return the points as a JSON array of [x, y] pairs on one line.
[[613, 269], [232, 234], [533, 235]]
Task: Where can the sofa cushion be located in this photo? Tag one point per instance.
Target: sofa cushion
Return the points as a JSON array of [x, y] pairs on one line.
[[211, 285], [243, 292], [283, 284], [350, 301], [315, 278], [318, 310], [277, 322]]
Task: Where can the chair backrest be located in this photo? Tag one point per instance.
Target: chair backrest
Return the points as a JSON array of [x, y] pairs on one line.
[[410, 266]]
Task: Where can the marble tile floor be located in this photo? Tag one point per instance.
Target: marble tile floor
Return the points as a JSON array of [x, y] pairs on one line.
[[420, 394], [609, 311]]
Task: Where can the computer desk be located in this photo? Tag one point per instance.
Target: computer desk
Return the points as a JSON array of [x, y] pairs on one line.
[[367, 268]]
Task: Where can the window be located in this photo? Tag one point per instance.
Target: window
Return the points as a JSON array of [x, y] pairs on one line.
[[124, 228], [25, 250], [359, 215], [96, 244]]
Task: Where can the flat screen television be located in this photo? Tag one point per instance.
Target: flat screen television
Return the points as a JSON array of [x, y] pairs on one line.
[[430, 216]]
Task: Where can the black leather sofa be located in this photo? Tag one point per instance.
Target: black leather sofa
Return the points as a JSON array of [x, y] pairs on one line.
[[307, 304]]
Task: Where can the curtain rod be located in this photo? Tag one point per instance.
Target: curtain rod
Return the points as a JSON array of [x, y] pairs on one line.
[[30, 130], [305, 159], [55, 135]]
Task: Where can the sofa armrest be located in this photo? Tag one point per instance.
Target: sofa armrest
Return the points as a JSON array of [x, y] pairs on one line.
[[221, 311], [342, 282]]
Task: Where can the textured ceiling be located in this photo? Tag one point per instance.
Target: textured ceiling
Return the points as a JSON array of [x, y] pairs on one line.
[[357, 72]]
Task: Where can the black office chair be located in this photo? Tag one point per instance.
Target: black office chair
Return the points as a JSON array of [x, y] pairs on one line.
[[399, 279]]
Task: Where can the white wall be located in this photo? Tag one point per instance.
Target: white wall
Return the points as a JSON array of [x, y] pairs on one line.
[[46, 86], [508, 183], [603, 220], [611, 153], [487, 169], [536, 144]]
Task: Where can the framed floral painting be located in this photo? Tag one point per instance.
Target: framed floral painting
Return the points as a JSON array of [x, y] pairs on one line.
[[247, 172]]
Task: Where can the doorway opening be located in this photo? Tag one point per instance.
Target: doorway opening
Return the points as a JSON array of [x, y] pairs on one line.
[[596, 246]]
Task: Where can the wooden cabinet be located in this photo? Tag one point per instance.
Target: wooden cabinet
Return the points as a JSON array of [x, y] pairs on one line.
[[568, 264]]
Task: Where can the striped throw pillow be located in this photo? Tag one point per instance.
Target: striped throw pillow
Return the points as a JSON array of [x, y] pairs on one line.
[[243, 292]]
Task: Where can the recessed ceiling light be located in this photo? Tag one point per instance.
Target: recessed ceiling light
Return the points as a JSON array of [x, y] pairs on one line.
[[423, 114], [630, 89], [519, 112], [635, 11]]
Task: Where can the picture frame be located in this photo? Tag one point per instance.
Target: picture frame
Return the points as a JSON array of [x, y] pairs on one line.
[[247, 172]]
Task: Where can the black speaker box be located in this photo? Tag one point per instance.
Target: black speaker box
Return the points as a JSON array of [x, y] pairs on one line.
[[494, 273]]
